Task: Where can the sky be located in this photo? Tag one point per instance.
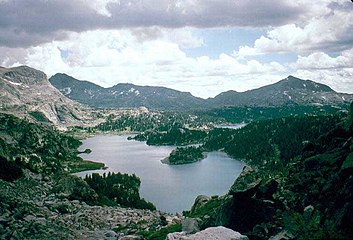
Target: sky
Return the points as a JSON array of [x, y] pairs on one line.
[[200, 46]]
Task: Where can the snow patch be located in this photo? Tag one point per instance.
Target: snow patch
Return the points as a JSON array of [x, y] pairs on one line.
[[14, 83], [131, 90], [286, 93], [343, 98], [89, 92], [137, 92], [66, 91]]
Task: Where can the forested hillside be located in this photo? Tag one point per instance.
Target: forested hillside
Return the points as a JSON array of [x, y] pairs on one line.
[[118, 189], [39, 148], [298, 182], [274, 141]]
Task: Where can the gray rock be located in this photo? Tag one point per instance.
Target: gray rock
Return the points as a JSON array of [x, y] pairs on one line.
[[131, 237], [200, 201], [190, 225], [110, 234], [283, 235], [212, 233], [247, 183]]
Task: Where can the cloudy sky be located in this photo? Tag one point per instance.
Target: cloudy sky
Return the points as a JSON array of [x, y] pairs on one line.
[[201, 46]]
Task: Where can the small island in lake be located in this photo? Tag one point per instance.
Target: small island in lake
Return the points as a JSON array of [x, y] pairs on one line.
[[184, 155]]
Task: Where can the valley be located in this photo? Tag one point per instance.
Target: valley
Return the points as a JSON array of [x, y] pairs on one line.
[[176, 120], [295, 146]]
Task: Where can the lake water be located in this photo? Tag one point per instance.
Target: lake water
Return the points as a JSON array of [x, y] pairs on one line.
[[171, 188]]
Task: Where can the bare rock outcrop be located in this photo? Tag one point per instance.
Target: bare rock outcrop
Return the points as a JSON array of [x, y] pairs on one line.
[[212, 233], [26, 92]]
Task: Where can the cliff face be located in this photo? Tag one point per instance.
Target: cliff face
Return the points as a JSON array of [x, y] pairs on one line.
[[26, 90]]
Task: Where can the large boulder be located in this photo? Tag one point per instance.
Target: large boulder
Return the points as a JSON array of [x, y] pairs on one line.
[[190, 225], [212, 233], [246, 184], [200, 201]]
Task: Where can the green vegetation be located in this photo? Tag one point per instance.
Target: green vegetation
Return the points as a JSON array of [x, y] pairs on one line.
[[270, 144], [157, 121], [162, 233], [184, 155], [174, 136], [309, 225], [251, 113], [118, 189], [40, 148], [300, 179], [210, 206], [39, 116], [84, 165], [9, 170]]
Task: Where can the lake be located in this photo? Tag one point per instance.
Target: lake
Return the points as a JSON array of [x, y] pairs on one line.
[[172, 188]]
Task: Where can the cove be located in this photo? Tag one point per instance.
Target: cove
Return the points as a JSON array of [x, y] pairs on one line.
[[172, 188]]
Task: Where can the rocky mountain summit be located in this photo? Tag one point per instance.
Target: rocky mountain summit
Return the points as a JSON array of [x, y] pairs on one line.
[[27, 92]]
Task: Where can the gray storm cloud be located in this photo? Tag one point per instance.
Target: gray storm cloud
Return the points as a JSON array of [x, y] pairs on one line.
[[26, 23]]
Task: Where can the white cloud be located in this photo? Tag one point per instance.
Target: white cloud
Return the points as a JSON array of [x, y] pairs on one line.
[[337, 72], [110, 57], [321, 60], [330, 30], [152, 54]]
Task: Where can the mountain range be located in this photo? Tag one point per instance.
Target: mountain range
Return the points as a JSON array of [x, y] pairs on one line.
[[289, 91], [28, 92], [123, 95]]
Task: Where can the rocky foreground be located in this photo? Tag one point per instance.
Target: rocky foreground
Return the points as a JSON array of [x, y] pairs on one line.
[[31, 210], [41, 207]]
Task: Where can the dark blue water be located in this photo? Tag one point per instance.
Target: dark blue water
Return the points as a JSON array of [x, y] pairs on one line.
[[171, 188]]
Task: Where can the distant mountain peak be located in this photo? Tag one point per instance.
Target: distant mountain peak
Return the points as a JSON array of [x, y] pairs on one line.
[[292, 83], [25, 90], [23, 75], [291, 90]]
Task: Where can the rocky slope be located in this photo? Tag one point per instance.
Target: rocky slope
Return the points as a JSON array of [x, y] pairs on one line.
[[31, 209], [27, 92], [123, 95]]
